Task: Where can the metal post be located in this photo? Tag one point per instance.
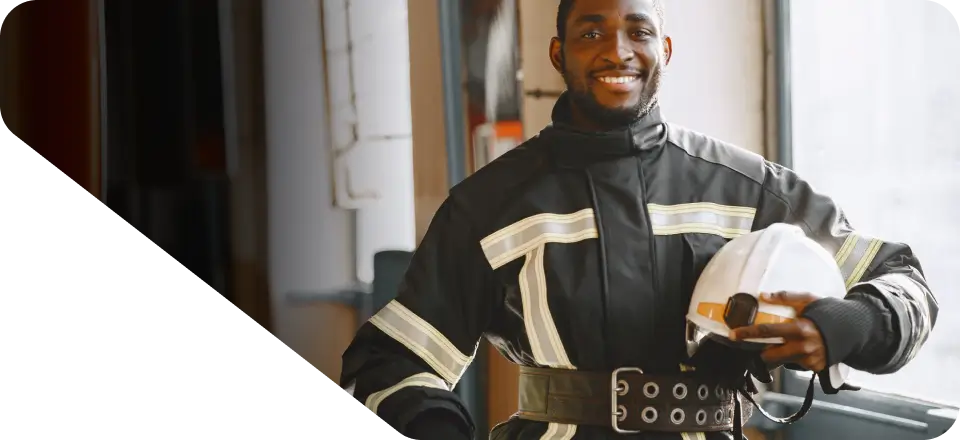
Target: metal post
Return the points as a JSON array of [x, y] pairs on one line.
[[471, 387], [784, 92]]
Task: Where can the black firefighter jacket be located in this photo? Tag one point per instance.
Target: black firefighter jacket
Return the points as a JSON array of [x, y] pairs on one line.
[[580, 251]]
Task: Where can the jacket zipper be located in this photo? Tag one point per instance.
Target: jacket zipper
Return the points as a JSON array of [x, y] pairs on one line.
[[653, 245]]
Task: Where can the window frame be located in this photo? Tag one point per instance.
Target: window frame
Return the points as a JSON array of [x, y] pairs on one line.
[[900, 417]]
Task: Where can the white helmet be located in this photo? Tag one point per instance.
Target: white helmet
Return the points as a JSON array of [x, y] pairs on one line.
[[778, 258]]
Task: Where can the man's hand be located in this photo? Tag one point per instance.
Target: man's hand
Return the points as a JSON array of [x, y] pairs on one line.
[[803, 344]]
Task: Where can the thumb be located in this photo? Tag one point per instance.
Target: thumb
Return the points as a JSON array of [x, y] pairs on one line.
[[796, 300]]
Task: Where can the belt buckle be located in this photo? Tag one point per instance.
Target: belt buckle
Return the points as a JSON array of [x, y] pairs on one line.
[[618, 413]]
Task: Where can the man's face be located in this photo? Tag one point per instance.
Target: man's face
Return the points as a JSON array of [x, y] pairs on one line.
[[612, 58]]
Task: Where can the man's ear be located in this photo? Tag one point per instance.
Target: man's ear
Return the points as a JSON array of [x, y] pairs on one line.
[[667, 50], [556, 54]]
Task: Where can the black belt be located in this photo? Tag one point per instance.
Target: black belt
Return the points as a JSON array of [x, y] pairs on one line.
[[627, 400]]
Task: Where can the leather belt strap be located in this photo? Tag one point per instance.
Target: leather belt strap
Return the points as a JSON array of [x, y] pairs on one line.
[[626, 400]]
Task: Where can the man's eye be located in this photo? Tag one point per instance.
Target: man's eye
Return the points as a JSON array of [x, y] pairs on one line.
[[643, 34], [591, 35]]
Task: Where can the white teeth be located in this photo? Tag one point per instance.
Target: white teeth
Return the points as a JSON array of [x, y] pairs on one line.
[[618, 79]]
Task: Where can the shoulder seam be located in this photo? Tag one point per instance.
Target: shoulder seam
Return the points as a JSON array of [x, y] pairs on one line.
[[742, 174]]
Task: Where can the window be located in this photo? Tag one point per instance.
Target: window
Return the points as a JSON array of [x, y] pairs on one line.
[[875, 91]]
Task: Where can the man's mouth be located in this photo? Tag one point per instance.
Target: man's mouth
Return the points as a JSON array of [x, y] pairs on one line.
[[619, 79], [619, 82]]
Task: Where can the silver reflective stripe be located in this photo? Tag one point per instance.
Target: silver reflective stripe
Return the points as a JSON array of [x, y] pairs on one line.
[[520, 238], [542, 331], [559, 431], [855, 256], [916, 298], [693, 436], [527, 239], [426, 380], [701, 218], [420, 337]]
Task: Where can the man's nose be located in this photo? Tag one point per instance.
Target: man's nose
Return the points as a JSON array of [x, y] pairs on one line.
[[619, 50]]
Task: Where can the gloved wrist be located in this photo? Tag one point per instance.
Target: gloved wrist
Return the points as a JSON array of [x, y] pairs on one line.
[[844, 324]]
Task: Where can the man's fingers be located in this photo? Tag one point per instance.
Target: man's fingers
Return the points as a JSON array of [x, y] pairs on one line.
[[797, 300], [788, 353], [793, 330], [803, 353]]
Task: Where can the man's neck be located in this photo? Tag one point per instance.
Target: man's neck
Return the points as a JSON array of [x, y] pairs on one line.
[[583, 121]]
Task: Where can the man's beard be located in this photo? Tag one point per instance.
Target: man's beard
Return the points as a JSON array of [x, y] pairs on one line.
[[583, 99]]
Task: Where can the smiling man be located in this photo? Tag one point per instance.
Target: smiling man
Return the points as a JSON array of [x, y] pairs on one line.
[[576, 254]]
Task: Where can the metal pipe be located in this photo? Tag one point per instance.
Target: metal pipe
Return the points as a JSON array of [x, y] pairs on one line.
[[472, 385], [783, 84]]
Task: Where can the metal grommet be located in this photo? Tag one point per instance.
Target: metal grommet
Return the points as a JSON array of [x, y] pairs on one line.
[[622, 388], [649, 414], [677, 416], [680, 391], [701, 417], [651, 389], [718, 416], [719, 392], [703, 392], [621, 413]]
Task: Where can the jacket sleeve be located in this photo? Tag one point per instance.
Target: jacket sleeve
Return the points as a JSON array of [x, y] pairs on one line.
[[405, 361], [889, 310]]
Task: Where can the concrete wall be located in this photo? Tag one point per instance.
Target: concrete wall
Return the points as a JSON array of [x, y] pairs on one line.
[[311, 243]]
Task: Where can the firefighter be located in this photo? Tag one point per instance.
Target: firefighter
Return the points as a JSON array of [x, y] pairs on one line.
[[576, 255]]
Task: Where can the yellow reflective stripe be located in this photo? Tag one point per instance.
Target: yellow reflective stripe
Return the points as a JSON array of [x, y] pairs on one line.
[[520, 238], [527, 239], [701, 218], [423, 339], [425, 380], [559, 431], [855, 257]]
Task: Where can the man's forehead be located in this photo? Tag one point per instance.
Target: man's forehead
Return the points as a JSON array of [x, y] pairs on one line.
[[628, 9]]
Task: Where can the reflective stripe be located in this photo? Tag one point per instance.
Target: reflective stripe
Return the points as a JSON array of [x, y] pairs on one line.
[[425, 380], [701, 218], [527, 239], [916, 298], [522, 237], [855, 257], [558, 431], [420, 337], [542, 331]]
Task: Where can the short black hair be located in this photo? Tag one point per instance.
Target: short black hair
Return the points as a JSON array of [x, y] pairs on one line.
[[563, 12]]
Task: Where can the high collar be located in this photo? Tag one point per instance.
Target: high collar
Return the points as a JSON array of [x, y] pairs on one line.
[[571, 145]]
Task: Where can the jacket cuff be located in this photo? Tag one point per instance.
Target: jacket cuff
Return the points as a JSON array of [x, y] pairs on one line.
[[846, 325], [437, 425]]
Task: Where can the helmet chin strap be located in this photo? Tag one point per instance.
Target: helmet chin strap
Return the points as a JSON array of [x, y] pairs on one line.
[[738, 423], [750, 389]]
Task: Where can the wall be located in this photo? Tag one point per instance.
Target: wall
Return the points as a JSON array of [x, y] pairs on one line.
[[368, 64], [426, 101], [311, 243]]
